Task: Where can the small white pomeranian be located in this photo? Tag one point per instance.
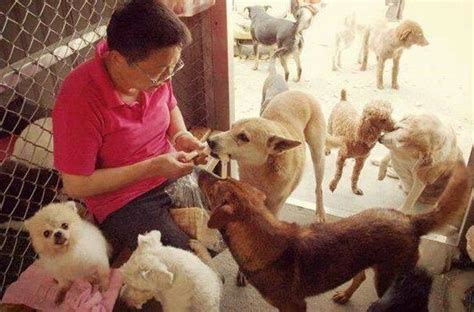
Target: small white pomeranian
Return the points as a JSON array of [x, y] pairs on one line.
[[175, 277], [69, 247]]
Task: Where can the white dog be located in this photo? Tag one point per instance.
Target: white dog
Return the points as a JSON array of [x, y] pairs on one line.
[[175, 277], [423, 152], [69, 247], [345, 36]]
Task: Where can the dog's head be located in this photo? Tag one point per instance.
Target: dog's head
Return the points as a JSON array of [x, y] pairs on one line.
[[230, 200], [376, 118], [418, 136], [144, 274], [304, 16], [255, 10], [250, 141], [54, 228], [410, 33]]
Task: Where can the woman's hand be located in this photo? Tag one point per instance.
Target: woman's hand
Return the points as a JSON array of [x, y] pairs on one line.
[[188, 143], [171, 165]]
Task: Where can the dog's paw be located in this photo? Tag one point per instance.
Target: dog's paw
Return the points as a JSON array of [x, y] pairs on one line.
[[395, 86], [241, 279], [200, 250], [357, 191], [320, 219], [379, 86], [255, 68], [340, 297], [363, 68]]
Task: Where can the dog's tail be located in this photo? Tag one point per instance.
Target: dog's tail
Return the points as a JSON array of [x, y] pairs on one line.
[[333, 141], [455, 197], [409, 293], [343, 95]]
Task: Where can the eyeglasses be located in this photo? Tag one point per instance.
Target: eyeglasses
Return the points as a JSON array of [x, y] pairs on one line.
[[165, 75]]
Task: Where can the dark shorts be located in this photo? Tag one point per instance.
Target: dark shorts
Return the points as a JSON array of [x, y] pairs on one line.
[[145, 213]]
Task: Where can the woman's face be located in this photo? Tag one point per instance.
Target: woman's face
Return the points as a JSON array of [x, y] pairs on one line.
[[156, 69]]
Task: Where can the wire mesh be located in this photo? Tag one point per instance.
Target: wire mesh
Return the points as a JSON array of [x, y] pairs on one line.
[[40, 43]]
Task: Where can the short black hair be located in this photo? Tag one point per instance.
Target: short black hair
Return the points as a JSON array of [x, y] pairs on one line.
[[141, 26]]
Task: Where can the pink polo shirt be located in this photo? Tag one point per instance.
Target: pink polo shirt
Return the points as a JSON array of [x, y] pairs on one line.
[[93, 129]]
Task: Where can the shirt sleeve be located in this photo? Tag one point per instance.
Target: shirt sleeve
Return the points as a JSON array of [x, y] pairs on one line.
[[76, 132], [172, 102]]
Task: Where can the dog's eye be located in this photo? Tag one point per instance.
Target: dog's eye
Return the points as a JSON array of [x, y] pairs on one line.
[[64, 226], [46, 234], [243, 137]]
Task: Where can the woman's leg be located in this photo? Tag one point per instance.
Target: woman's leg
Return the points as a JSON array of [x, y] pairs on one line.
[[146, 213]]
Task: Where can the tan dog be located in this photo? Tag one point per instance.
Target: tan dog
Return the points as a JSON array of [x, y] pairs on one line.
[[287, 263], [423, 152], [269, 149], [388, 42], [356, 135]]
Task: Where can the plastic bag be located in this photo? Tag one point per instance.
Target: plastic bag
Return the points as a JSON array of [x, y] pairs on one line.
[[185, 192], [191, 213]]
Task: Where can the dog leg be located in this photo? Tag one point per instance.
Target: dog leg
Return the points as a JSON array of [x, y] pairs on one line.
[[359, 164], [256, 52], [292, 306], [415, 192], [284, 63], [342, 297], [241, 280], [339, 59], [334, 68], [365, 50], [380, 66], [341, 158], [201, 251], [383, 167], [384, 277], [316, 144], [395, 68], [296, 56]]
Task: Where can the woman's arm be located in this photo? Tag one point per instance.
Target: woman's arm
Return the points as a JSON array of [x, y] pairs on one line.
[[172, 165]]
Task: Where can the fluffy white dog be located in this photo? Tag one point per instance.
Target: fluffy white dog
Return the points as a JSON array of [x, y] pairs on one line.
[[69, 247], [175, 277]]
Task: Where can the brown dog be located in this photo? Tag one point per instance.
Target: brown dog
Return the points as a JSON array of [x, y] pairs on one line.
[[287, 263], [356, 135]]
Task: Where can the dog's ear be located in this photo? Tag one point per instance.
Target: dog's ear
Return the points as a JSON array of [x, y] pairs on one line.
[[71, 205], [220, 216], [404, 35], [153, 238], [247, 9], [277, 144], [266, 7]]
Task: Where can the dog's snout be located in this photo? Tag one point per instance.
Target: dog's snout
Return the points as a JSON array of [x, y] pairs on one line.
[[211, 143], [59, 238]]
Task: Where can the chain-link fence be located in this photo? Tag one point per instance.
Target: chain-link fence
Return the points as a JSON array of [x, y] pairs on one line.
[[40, 42]]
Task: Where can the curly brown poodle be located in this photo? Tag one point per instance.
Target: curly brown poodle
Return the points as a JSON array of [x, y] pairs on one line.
[[356, 135]]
